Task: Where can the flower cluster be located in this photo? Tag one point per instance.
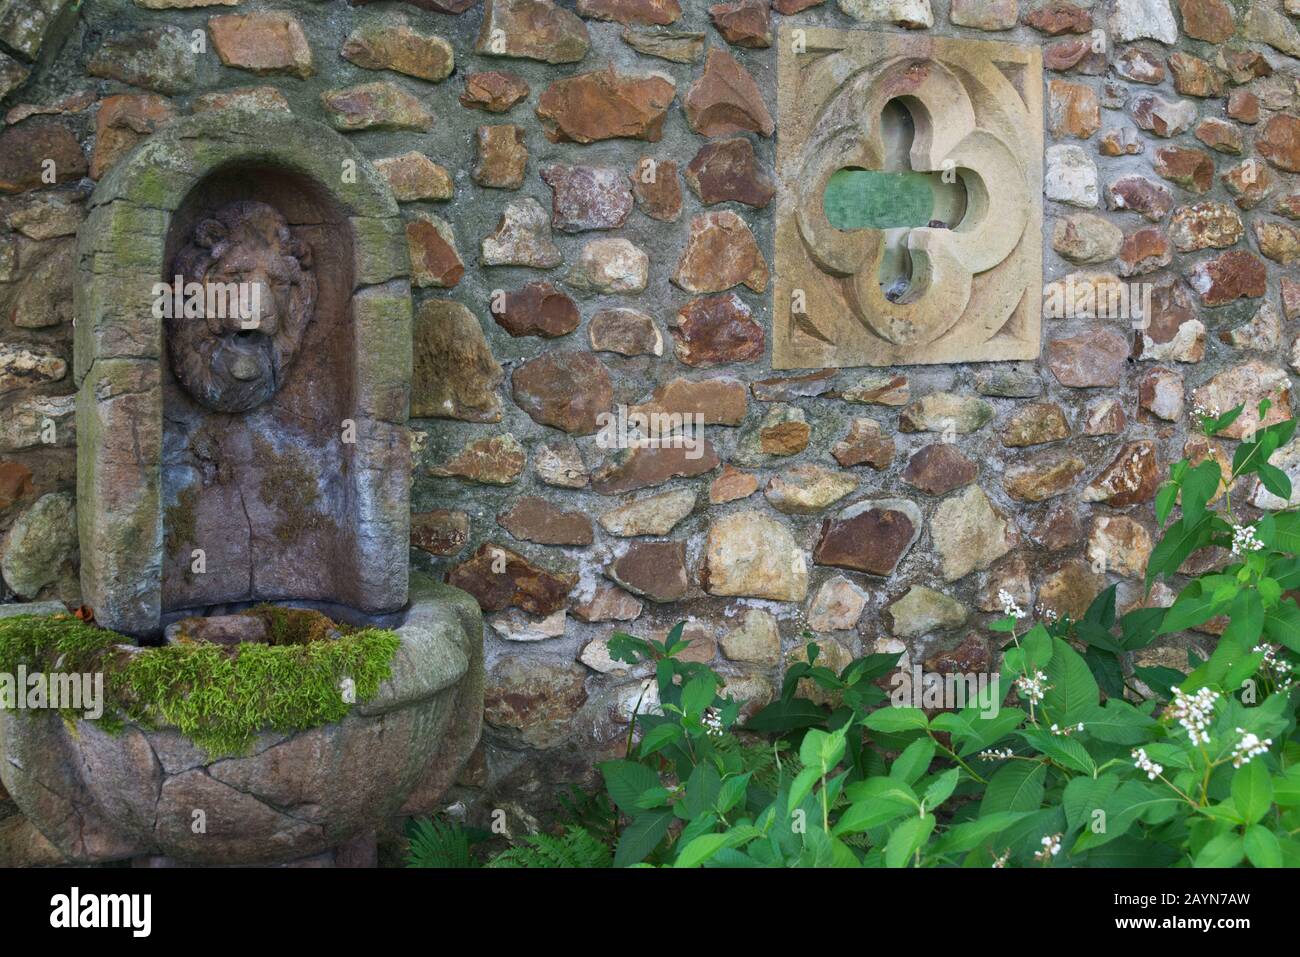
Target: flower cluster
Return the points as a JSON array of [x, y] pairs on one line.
[[1279, 668], [1193, 712], [1045, 613], [1250, 746], [993, 754], [1206, 413], [1033, 688], [1056, 729], [713, 722], [1051, 847], [1009, 606], [1244, 540], [1001, 859], [1144, 763]]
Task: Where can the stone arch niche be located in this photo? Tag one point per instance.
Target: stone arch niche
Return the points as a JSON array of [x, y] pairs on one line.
[[214, 480]]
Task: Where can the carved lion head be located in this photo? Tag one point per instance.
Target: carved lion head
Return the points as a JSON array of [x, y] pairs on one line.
[[260, 293]]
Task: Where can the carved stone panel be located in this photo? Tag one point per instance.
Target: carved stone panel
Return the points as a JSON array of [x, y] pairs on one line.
[[970, 288]]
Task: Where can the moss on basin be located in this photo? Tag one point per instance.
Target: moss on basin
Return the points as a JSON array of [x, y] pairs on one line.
[[219, 697]]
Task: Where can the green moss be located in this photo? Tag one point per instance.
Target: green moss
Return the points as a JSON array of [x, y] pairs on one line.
[[219, 697], [288, 486]]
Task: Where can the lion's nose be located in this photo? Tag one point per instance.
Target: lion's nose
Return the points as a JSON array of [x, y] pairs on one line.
[[260, 310]]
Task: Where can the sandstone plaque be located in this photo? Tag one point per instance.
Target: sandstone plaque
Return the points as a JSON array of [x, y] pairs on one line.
[[967, 284]]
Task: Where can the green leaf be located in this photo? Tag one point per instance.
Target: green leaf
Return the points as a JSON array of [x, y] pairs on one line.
[[868, 813], [1073, 692], [700, 849], [972, 732], [894, 720], [1082, 796], [1166, 496], [1223, 850], [659, 737], [1275, 480], [914, 761], [1118, 722], [941, 788], [1262, 847], [1018, 786], [1252, 791], [698, 693], [1199, 486], [626, 781], [1282, 624], [1062, 749], [642, 834], [1179, 541], [1191, 609], [801, 787], [970, 834], [906, 839], [784, 715]]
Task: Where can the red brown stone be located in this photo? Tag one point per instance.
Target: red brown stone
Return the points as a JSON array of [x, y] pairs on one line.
[[587, 197], [440, 531], [728, 171], [1144, 251], [493, 92], [1279, 141], [26, 149], [721, 401], [1234, 275], [1088, 360], [1190, 169], [657, 189], [721, 252], [532, 519], [743, 23], [123, 121], [493, 460], [1194, 77], [652, 12], [1243, 106], [566, 390], [1132, 477], [871, 540], [502, 157], [605, 105], [647, 466], [790, 7], [499, 578], [1208, 20], [538, 309], [726, 100], [15, 483], [1139, 66], [865, 444], [732, 485], [434, 260], [715, 330], [1141, 195], [1057, 18], [939, 468], [654, 570], [1219, 135]]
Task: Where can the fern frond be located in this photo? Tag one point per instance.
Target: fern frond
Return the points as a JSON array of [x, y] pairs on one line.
[[438, 844], [577, 848]]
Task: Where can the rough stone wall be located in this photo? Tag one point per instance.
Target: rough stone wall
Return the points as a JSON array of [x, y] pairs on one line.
[[1173, 134]]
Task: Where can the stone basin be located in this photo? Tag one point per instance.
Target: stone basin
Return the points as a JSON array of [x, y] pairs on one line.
[[144, 793]]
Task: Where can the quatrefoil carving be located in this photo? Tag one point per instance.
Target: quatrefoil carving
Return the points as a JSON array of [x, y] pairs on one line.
[[975, 291]]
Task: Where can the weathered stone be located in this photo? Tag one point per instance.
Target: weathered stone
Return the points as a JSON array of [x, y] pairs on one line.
[[1035, 424], [1288, 206], [1068, 591], [716, 330], [1145, 250], [1278, 241], [757, 639], [41, 216], [720, 253], [945, 412], [1219, 135], [41, 548], [538, 309], [15, 483], [1250, 183], [434, 259], [732, 485], [1072, 109], [659, 12], [1071, 176], [455, 375], [717, 401], [1233, 275], [969, 533], [878, 389], [1044, 475], [1009, 381], [1191, 169], [984, 14], [1143, 19], [644, 466], [1120, 141], [494, 460], [587, 197], [536, 697], [1246, 385], [1263, 333], [502, 156], [1207, 225], [1131, 477], [676, 46], [1154, 113], [726, 100], [608, 603], [750, 554], [657, 189], [1058, 17], [865, 444], [785, 388], [493, 91], [939, 468], [1090, 360], [1059, 529], [21, 368], [413, 176], [44, 299], [1268, 25], [252, 99], [783, 431], [40, 420], [743, 23], [913, 14], [1140, 66], [1087, 238], [522, 238], [532, 29], [838, 605], [439, 532], [391, 43], [656, 514], [628, 332], [808, 489], [124, 121], [558, 464], [1209, 20], [499, 578], [516, 626], [1141, 195], [533, 519], [653, 570], [610, 266], [159, 60], [923, 610], [1243, 106], [565, 390], [605, 105], [27, 149], [375, 106], [1194, 77], [268, 42], [1173, 331], [728, 171], [1160, 393], [1073, 53], [871, 536]]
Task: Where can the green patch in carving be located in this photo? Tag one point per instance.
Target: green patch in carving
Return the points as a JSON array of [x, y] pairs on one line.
[[878, 199]]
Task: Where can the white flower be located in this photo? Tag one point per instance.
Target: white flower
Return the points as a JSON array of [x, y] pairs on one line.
[[993, 754], [1211, 413], [713, 722], [1051, 847], [1249, 747], [1194, 712], [1001, 860], [1144, 763], [1033, 688], [1244, 540], [1009, 606]]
